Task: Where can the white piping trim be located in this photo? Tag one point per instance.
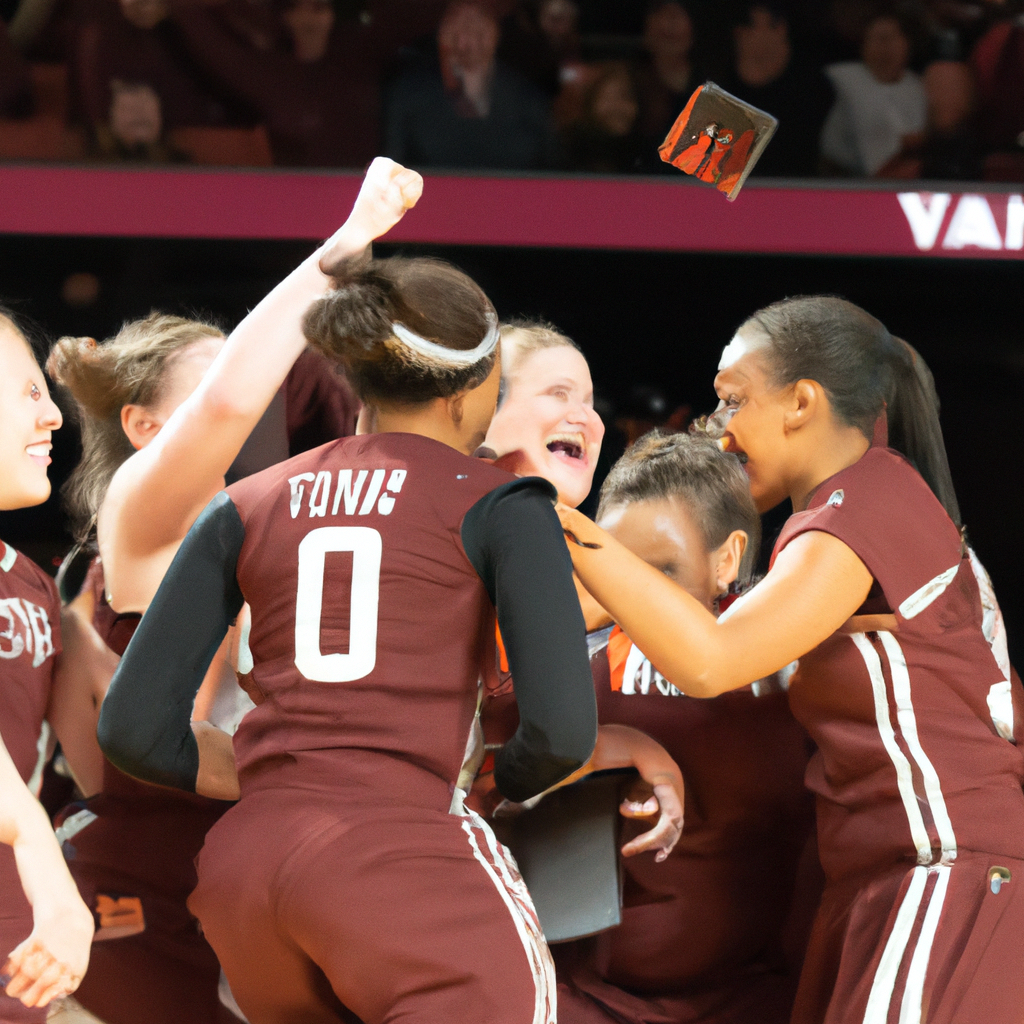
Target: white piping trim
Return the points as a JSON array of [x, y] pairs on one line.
[[904, 776], [924, 596], [451, 356], [10, 557], [537, 953], [912, 1009], [908, 723], [884, 985]]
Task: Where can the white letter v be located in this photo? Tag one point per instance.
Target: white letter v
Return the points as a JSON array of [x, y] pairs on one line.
[[925, 219]]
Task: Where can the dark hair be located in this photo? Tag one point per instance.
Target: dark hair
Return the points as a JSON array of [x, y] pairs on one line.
[[695, 469], [354, 326], [776, 9], [128, 369], [865, 372]]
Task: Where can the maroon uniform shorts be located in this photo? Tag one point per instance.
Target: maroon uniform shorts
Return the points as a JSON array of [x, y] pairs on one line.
[[315, 909], [933, 944]]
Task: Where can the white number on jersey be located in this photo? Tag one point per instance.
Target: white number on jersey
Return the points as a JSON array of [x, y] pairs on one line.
[[365, 545]]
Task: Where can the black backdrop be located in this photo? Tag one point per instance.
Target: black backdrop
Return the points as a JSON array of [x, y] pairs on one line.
[[655, 318]]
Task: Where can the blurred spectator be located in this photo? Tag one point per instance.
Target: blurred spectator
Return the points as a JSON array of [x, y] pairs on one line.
[[605, 138], [952, 149], [466, 109], [540, 39], [767, 75], [319, 95], [15, 83], [880, 107], [667, 75], [998, 62], [134, 131], [954, 26], [133, 41]]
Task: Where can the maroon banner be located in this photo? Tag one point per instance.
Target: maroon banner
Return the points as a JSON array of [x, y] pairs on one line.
[[665, 214]]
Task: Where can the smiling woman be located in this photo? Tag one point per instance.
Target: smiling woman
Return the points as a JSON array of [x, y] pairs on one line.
[[44, 925], [546, 424]]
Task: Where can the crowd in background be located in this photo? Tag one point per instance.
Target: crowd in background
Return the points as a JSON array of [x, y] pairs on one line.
[[918, 89]]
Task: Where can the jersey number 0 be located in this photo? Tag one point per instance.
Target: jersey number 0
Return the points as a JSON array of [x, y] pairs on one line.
[[365, 545]]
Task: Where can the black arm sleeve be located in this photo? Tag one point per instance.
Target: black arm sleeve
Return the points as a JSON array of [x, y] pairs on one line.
[[514, 541], [145, 723]]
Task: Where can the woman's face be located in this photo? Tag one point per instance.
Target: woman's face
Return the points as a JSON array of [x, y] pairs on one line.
[[668, 31], [547, 418], [886, 50], [664, 533], [615, 108], [751, 411], [28, 417]]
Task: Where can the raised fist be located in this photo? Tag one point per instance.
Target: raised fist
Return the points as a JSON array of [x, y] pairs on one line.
[[388, 190]]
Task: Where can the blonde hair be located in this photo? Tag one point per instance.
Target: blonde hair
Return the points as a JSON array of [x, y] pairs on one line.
[[521, 338], [129, 369]]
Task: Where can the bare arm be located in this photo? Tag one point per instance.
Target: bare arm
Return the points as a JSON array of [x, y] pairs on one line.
[[218, 777], [620, 746], [815, 585], [157, 494], [50, 963], [80, 682]]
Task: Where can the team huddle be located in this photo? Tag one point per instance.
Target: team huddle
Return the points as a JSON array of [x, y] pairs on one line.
[[296, 706]]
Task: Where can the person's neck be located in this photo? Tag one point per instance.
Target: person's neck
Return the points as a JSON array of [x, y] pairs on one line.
[[428, 420], [832, 455], [673, 69]]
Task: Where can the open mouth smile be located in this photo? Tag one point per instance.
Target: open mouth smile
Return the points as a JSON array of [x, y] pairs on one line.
[[568, 447]]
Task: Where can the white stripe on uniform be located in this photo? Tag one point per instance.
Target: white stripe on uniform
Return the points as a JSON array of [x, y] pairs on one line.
[[912, 1009], [904, 776], [908, 723], [513, 891], [884, 984], [882, 987]]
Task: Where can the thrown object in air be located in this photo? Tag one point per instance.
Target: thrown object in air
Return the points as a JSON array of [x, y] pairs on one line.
[[718, 138]]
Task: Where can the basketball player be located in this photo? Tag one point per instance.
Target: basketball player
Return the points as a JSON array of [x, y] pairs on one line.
[[45, 929], [165, 407], [712, 934], [349, 878], [917, 721]]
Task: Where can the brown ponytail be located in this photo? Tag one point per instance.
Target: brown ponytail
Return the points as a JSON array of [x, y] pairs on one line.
[[129, 369], [914, 428], [354, 326]]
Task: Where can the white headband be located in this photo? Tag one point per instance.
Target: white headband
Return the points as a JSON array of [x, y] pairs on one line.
[[452, 356]]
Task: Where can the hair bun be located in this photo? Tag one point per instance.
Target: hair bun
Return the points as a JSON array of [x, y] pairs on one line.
[[89, 371], [357, 314]]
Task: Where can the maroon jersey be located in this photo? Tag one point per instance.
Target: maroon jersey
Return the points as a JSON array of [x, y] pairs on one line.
[[382, 677], [137, 849], [918, 773], [716, 908], [29, 646], [916, 726], [702, 934]]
